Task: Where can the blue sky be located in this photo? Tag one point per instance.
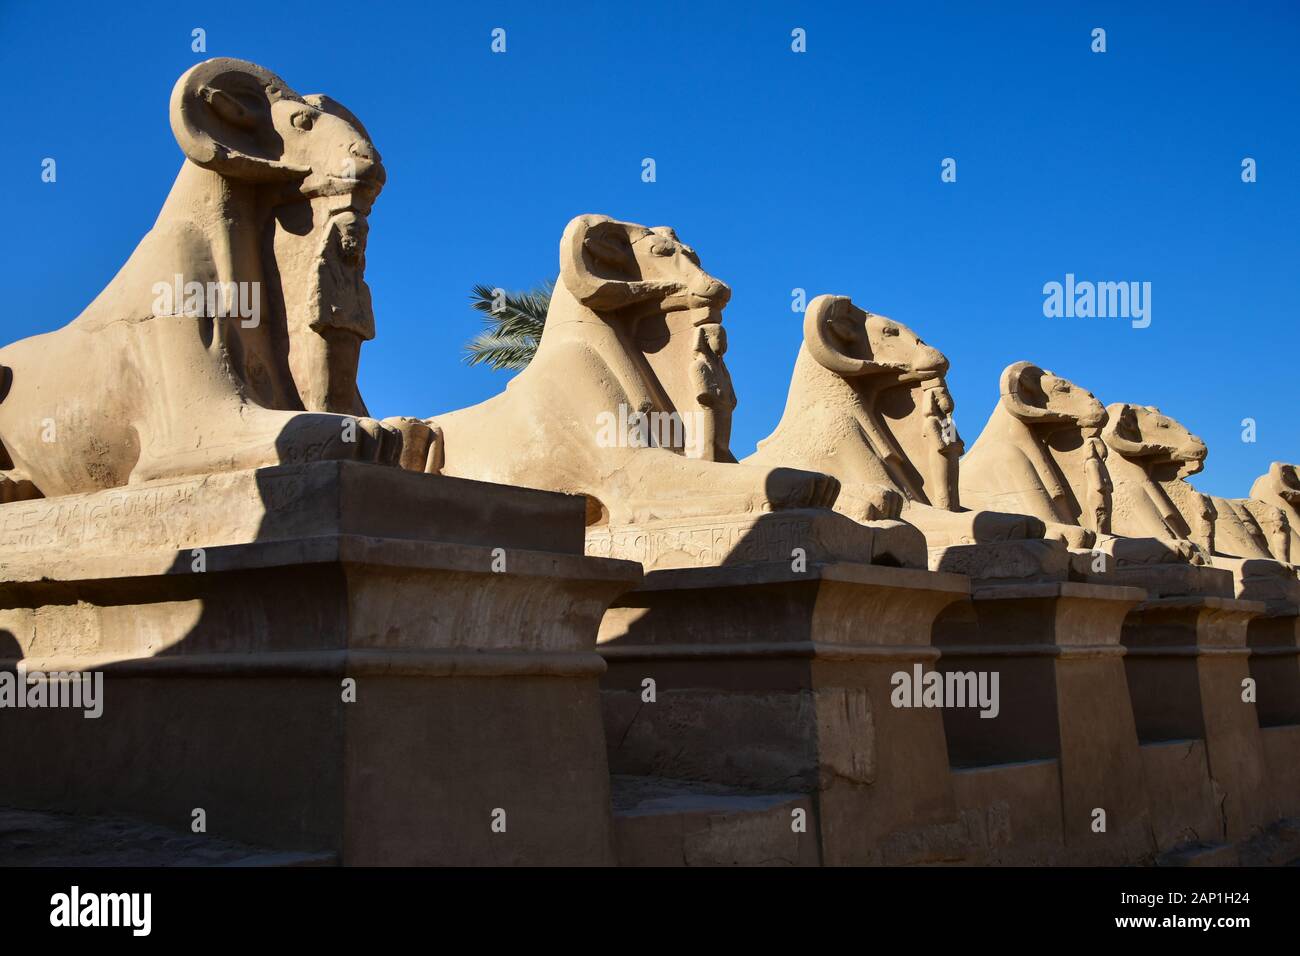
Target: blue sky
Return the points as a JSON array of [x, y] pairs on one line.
[[818, 170]]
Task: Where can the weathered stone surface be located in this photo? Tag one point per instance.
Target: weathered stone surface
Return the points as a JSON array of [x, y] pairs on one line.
[[1056, 648], [1186, 662], [1153, 455], [869, 405], [779, 681], [794, 536], [472, 649], [350, 663], [36, 838], [1041, 453], [628, 400], [661, 822], [1279, 487], [212, 350]]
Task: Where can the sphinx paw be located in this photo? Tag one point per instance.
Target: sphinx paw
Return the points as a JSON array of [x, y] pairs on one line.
[[377, 442], [867, 502], [792, 488], [421, 444]]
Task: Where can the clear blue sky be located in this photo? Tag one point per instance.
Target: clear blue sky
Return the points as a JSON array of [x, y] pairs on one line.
[[818, 170]]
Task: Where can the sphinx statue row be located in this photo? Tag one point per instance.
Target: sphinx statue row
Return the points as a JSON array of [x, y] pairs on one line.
[[860, 541], [274, 194], [636, 323]]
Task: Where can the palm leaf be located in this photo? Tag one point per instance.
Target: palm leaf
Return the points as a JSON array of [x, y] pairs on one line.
[[502, 353], [513, 329]]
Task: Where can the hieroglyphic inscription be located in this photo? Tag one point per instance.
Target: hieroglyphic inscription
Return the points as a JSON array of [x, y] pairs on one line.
[[83, 519], [693, 545]]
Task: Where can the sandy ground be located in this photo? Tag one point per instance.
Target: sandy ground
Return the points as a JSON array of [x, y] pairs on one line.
[[31, 838]]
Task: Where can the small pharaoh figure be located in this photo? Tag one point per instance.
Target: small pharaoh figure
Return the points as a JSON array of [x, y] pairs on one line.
[[322, 264], [711, 382], [1278, 530], [1205, 524], [1097, 484], [945, 447], [342, 286]]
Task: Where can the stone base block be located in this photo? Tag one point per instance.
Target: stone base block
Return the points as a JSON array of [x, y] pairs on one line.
[[679, 823], [1013, 813], [1054, 648], [391, 667], [1282, 757], [1187, 664], [999, 561], [780, 682], [1274, 641], [1159, 580], [1257, 579], [1186, 806]]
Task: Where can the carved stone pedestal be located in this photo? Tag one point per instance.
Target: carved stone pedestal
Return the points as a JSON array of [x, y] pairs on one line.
[[235, 617], [1159, 580], [1186, 662], [1257, 579], [769, 680], [1274, 641], [1004, 561], [1055, 647]]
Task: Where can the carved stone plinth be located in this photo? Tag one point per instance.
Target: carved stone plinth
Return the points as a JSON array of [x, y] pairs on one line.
[[1004, 561], [820, 535], [1255, 579], [1274, 641], [1186, 662], [228, 615], [780, 682], [1158, 580], [1055, 647]]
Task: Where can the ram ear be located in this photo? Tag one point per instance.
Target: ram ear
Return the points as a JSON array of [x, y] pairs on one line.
[[1284, 475], [599, 267], [835, 332], [221, 118], [1022, 391]]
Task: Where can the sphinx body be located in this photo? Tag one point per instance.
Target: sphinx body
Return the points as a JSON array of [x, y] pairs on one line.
[[1279, 488], [269, 209], [1041, 453], [1151, 457], [633, 335], [868, 404], [1040, 436]]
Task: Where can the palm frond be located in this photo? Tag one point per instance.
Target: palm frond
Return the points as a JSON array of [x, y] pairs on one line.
[[503, 353], [514, 322]]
